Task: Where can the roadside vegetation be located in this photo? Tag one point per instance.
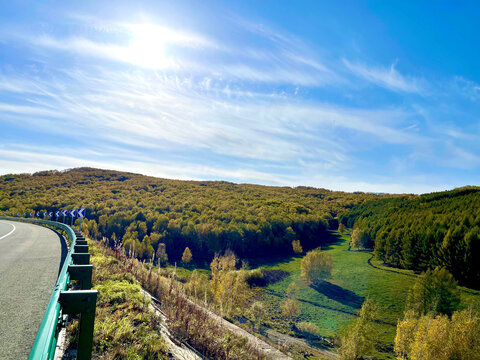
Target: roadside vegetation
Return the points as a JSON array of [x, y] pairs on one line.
[[119, 279], [125, 326]]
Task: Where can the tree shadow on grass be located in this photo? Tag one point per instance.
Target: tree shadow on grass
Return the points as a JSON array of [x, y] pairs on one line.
[[276, 293], [280, 295], [331, 239], [339, 294]]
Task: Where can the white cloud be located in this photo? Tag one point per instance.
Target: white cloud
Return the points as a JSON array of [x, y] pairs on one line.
[[136, 54], [388, 77], [461, 135], [25, 160], [146, 110], [459, 158], [276, 59], [28, 110], [467, 88]]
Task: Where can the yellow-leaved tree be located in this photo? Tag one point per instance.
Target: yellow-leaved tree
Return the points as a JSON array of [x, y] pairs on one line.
[[162, 256], [431, 337], [297, 247], [257, 309], [316, 265], [361, 336], [427, 332], [229, 286], [290, 309], [187, 255]]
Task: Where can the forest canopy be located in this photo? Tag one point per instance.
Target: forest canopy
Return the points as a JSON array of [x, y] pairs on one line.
[[423, 232], [141, 212]]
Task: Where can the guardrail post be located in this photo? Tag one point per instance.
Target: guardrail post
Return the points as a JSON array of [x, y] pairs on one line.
[[82, 273], [80, 249], [81, 259], [82, 302]]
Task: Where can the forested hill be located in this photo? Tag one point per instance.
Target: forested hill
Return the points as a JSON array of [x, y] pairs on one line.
[[420, 232], [141, 212]]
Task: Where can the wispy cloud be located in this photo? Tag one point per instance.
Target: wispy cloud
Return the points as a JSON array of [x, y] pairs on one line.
[[265, 108], [278, 59], [151, 111], [460, 158], [467, 88], [387, 77], [24, 160]]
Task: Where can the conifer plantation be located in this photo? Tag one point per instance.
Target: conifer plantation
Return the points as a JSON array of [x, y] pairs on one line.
[[422, 232]]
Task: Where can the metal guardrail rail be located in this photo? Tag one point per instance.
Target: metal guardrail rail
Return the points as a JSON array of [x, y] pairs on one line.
[[65, 301]]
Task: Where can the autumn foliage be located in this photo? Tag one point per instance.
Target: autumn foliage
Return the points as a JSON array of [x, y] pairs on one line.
[[316, 265], [208, 217]]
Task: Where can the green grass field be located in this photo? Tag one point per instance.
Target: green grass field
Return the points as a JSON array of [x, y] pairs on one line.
[[335, 303]]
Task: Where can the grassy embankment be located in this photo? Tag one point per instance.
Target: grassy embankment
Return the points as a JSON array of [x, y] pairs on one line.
[[125, 326], [333, 304]]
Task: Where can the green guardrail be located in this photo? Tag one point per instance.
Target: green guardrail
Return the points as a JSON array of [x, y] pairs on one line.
[[65, 301]]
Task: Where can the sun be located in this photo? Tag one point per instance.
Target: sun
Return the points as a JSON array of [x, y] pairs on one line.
[[147, 48]]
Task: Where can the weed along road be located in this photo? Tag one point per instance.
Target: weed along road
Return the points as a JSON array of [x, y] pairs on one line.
[[30, 257]]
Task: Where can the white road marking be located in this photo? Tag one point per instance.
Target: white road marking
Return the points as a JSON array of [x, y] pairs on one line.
[[4, 236]]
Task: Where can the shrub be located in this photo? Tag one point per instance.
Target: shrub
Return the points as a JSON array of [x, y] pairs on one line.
[[255, 278], [308, 329], [290, 309]]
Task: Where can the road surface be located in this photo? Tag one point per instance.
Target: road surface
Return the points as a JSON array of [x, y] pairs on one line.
[[30, 258]]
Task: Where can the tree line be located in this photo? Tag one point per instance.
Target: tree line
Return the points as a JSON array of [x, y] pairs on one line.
[[139, 212], [423, 232]]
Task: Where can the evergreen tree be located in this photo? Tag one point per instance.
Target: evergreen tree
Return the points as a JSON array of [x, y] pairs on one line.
[[434, 292]]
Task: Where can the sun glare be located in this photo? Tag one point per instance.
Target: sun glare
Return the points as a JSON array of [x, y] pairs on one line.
[[147, 48]]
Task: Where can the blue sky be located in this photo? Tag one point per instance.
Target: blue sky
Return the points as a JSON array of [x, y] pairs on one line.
[[375, 96]]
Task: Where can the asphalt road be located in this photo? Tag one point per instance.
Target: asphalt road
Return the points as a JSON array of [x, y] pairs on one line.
[[30, 257]]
